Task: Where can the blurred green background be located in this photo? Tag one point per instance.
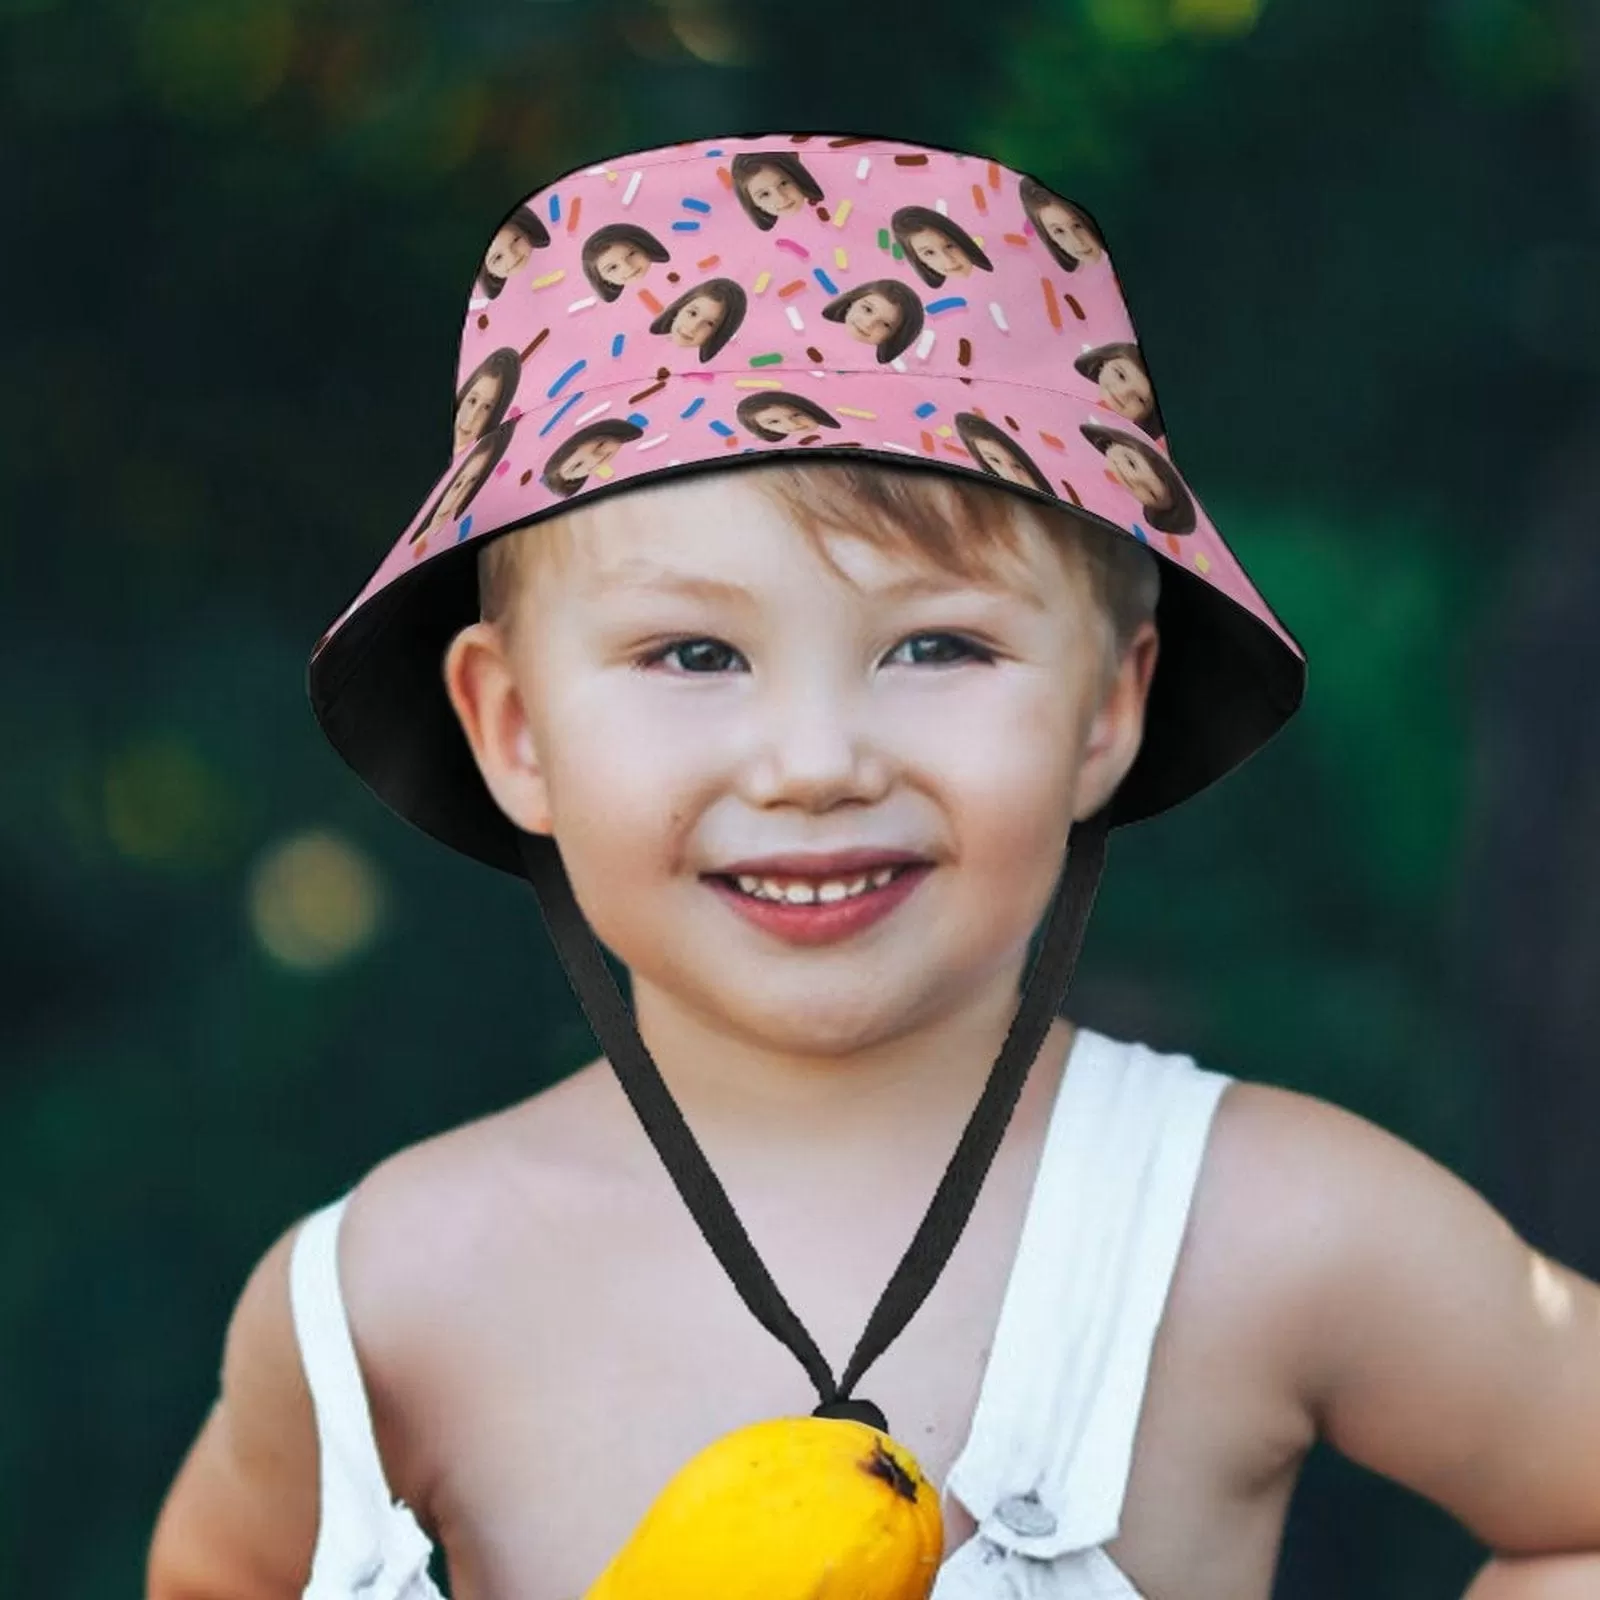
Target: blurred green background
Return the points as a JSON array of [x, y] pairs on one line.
[[1361, 239]]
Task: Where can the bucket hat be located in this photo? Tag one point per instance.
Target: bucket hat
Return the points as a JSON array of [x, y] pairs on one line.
[[769, 265]]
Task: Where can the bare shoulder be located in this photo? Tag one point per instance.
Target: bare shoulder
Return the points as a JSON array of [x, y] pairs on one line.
[[423, 1213], [1304, 1211], [441, 1239], [1280, 1161], [424, 1242]]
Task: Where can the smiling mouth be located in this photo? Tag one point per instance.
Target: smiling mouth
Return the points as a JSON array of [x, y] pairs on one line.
[[814, 891]]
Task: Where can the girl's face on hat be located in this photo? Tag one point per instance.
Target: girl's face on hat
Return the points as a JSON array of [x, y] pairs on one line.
[[589, 455], [1070, 231], [1126, 388], [1001, 461], [455, 495], [872, 317], [461, 487], [620, 263], [697, 319], [1138, 476], [780, 417], [690, 686], [774, 191], [474, 410], [940, 252], [507, 251]]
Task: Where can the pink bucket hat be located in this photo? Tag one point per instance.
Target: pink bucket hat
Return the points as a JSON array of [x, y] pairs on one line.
[[704, 305]]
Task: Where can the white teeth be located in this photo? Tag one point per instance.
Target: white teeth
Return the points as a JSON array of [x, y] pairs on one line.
[[804, 892]]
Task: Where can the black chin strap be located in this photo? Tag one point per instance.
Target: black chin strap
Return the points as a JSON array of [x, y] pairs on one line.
[[1042, 994]]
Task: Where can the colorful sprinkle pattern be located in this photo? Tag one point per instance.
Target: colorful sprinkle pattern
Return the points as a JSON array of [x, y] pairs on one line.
[[783, 292]]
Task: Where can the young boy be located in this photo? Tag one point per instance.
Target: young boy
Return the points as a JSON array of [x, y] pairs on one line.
[[812, 738]]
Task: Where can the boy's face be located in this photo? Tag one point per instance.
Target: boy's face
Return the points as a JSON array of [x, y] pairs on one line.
[[940, 253], [691, 686], [872, 317], [697, 319], [1070, 231], [774, 191]]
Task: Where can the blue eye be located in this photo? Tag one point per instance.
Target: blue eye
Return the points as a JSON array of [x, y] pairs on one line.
[[964, 649], [701, 656]]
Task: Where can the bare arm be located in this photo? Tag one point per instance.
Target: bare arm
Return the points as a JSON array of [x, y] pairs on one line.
[[240, 1520], [1437, 1348], [1537, 1578]]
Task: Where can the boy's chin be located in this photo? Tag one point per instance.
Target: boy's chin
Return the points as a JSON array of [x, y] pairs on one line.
[[828, 1026]]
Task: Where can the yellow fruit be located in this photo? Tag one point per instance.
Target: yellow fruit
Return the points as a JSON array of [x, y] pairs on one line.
[[797, 1508]]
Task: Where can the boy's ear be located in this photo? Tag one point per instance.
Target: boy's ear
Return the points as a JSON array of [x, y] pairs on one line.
[[1117, 730], [493, 715]]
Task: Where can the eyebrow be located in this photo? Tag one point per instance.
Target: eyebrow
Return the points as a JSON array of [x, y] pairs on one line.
[[641, 574]]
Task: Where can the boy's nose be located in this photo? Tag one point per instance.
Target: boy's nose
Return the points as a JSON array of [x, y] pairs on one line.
[[815, 751]]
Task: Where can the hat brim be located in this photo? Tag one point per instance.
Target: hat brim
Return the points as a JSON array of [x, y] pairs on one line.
[[1228, 677]]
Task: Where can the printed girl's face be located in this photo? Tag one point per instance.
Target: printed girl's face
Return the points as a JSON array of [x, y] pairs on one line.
[[774, 191], [507, 251], [780, 417], [1001, 461], [1127, 389], [621, 262], [1070, 231], [457, 491], [589, 455], [1138, 476], [872, 317], [691, 686], [698, 318], [477, 404], [939, 251]]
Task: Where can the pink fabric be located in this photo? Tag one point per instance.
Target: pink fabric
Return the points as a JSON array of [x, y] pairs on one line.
[[1004, 354]]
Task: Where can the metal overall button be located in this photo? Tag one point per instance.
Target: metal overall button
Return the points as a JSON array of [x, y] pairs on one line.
[[1023, 1515]]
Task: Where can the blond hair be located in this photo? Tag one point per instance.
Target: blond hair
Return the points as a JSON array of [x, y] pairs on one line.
[[961, 525]]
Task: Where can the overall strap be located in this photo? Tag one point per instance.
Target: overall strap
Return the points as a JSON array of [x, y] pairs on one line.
[[1046, 1469], [363, 1535]]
